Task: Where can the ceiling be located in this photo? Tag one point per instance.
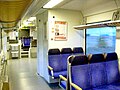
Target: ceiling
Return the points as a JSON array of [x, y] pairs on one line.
[[11, 11], [87, 7]]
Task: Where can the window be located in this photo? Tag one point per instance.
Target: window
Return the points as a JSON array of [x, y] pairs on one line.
[[100, 40]]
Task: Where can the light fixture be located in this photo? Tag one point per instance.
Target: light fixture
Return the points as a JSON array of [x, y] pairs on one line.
[[26, 23], [31, 18], [52, 3]]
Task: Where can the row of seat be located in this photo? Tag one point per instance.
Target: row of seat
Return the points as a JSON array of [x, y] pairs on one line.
[[75, 50], [57, 60], [92, 72]]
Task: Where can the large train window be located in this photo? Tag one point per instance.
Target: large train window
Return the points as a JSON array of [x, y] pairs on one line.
[[100, 40]]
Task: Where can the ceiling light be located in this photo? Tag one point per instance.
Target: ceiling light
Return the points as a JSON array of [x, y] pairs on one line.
[[31, 18], [52, 3]]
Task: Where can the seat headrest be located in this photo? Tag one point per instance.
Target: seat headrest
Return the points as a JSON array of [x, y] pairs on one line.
[[96, 58], [66, 50], [111, 56], [79, 60], [55, 51], [77, 50]]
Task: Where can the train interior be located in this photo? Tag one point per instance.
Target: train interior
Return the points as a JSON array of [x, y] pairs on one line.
[[49, 47]]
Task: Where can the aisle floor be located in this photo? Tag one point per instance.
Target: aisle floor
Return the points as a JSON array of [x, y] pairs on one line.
[[23, 76]]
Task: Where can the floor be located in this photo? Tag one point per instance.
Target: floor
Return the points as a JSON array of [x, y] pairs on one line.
[[23, 76]]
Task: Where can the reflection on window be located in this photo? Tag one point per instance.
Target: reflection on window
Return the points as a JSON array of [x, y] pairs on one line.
[[100, 40]]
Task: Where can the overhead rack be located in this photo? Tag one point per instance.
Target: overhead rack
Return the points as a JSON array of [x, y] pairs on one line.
[[97, 25]]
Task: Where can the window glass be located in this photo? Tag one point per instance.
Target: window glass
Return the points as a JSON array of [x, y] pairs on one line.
[[100, 40]]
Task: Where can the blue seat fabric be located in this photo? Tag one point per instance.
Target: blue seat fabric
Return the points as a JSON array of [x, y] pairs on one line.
[[63, 84], [101, 74], [112, 68], [80, 72], [104, 87], [54, 60], [65, 53], [81, 76], [63, 73], [98, 74], [26, 42]]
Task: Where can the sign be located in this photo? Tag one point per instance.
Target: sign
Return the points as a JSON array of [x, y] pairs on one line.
[[60, 30]]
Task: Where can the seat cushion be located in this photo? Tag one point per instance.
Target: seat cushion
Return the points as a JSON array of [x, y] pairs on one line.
[[98, 73], [55, 62], [115, 85], [105, 87], [63, 84], [63, 73], [112, 70], [80, 75], [64, 61]]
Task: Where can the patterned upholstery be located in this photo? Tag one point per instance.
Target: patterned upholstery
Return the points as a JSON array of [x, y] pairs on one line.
[[65, 53], [63, 84], [80, 72], [26, 42], [112, 68], [97, 70], [54, 60], [102, 72]]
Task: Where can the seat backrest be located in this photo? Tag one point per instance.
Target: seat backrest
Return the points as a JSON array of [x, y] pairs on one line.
[[26, 42], [54, 59], [65, 53], [79, 71], [112, 68], [78, 50], [97, 69]]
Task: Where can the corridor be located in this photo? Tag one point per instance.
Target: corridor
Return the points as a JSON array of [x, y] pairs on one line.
[[23, 76]]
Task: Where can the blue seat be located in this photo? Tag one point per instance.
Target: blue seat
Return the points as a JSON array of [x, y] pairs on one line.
[[64, 81], [78, 50], [65, 53], [102, 72], [112, 70], [97, 70], [26, 42], [79, 73], [54, 62]]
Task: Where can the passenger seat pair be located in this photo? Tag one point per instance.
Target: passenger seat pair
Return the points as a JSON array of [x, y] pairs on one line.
[[96, 72]]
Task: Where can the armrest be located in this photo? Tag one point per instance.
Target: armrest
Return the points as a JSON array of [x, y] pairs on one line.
[[49, 67], [51, 71], [62, 77], [75, 86]]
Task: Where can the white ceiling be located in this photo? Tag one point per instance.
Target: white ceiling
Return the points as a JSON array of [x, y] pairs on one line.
[[87, 7]]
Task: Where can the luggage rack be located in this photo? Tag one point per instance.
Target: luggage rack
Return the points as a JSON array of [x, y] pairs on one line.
[[96, 25]]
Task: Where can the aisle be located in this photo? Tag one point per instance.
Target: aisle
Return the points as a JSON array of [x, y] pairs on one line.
[[22, 76]]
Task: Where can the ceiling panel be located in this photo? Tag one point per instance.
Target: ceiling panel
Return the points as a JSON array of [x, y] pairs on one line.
[[12, 10], [88, 7]]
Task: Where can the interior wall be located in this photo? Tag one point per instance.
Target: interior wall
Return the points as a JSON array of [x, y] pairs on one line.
[[100, 17], [24, 33], [75, 38], [42, 45]]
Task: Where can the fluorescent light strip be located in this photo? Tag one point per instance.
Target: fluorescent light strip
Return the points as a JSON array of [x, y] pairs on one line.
[[52, 3]]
